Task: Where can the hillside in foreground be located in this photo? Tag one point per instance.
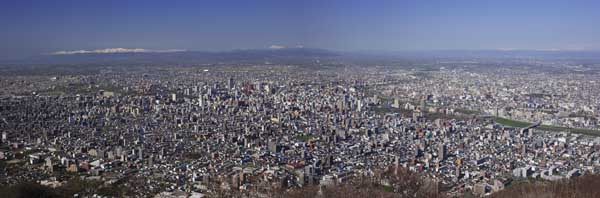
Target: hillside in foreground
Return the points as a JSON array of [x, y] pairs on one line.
[[405, 184]]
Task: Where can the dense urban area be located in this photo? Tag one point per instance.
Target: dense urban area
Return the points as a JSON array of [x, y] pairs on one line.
[[419, 128]]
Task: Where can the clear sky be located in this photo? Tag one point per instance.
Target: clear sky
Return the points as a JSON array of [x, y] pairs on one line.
[[33, 27]]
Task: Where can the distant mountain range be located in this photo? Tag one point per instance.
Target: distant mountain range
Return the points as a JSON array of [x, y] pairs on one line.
[[178, 57]]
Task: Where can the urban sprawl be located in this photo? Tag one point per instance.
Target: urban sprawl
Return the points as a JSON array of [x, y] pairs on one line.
[[250, 129]]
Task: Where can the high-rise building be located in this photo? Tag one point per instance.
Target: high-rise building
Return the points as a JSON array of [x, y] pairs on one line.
[[230, 84], [442, 152], [273, 148], [141, 153]]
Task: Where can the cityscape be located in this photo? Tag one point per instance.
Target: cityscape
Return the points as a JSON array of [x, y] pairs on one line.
[[288, 120]]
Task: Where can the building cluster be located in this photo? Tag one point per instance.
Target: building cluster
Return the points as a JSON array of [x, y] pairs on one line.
[[558, 99]]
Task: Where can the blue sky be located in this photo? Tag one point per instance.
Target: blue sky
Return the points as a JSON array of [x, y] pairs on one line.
[[32, 27]]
